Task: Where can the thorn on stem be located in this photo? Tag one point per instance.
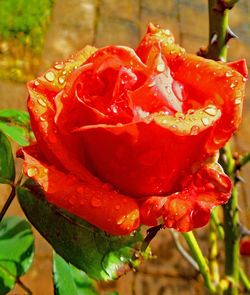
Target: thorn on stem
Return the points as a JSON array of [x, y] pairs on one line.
[[214, 39], [243, 230], [230, 34]]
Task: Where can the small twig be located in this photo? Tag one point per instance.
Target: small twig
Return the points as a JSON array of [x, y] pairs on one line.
[[244, 159], [24, 287], [182, 251], [8, 202]]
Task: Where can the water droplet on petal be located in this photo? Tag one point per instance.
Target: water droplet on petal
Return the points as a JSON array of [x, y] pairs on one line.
[[194, 130], [237, 101], [179, 116], [244, 79], [36, 83], [160, 67], [121, 220], [42, 118], [210, 111], [232, 86], [41, 102], [174, 127], [190, 112], [229, 74], [96, 202], [59, 66], [205, 121], [151, 84], [50, 76], [61, 79], [32, 171], [117, 207]]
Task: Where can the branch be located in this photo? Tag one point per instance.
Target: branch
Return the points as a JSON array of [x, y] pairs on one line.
[[200, 260]]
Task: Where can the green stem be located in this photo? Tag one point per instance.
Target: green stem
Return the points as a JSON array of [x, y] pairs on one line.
[[218, 24], [213, 251], [243, 277], [218, 225], [200, 260], [244, 280], [232, 242]]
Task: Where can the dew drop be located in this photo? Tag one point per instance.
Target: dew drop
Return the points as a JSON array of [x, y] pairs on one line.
[[32, 171], [121, 220], [244, 79], [36, 83], [151, 84], [179, 116], [117, 207], [190, 111], [229, 74], [232, 86], [210, 111], [197, 65], [237, 101], [205, 121], [59, 66], [194, 130], [61, 79], [41, 102], [133, 217], [160, 67], [50, 76], [96, 202], [174, 127]]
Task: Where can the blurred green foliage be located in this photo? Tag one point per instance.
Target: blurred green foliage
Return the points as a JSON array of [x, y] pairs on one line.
[[25, 20]]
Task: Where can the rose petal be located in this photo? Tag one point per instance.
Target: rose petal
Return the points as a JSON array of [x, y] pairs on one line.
[[41, 106], [99, 205], [224, 88], [114, 68], [189, 208], [144, 158], [240, 66]]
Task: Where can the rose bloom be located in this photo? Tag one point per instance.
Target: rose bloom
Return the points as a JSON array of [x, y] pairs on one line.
[[128, 137]]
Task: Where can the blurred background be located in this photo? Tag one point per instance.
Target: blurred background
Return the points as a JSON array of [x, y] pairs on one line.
[[35, 34]]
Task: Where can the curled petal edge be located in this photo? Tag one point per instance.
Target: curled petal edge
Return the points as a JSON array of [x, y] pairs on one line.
[[101, 206], [191, 207]]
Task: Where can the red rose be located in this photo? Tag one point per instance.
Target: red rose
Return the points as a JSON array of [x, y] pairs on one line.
[[125, 137]]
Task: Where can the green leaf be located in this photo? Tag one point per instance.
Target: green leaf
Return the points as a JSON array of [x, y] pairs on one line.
[[16, 251], [7, 167], [102, 256], [16, 124], [70, 280]]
